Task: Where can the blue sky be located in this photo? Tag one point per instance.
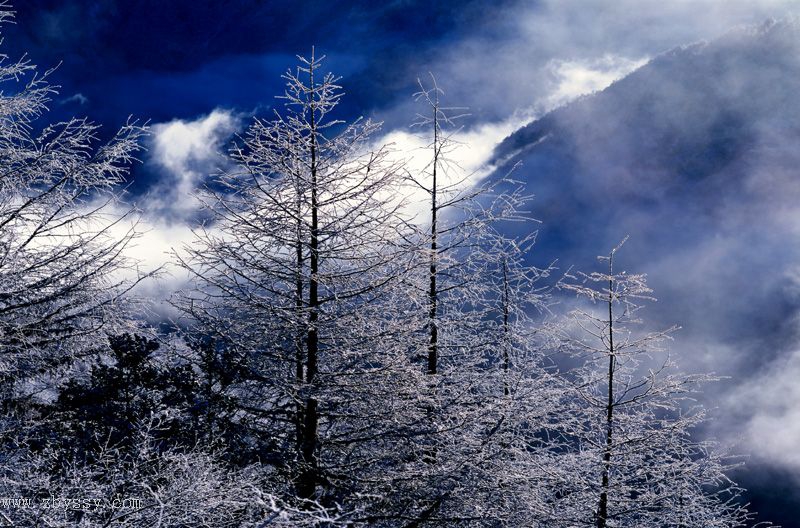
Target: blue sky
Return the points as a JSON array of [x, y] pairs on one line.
[[162, 60], [182, 59], [198, 70]]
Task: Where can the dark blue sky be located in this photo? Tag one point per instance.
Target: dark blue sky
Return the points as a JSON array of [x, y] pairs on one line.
[[165, 59]]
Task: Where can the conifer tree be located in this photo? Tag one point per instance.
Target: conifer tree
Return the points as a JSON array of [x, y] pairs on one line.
[[630, 457], [296, 272]]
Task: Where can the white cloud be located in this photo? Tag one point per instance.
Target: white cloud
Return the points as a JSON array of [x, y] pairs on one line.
[[469, 155], [575, 78], [773, 432], [185, 152], [77, 98], [152, 242], [182, 153]]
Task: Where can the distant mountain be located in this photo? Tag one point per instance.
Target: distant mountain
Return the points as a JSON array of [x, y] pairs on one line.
[[690, 111], [696, 155], [690, 124]]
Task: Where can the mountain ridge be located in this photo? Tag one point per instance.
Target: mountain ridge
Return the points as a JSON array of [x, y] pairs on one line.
[[693, 62]]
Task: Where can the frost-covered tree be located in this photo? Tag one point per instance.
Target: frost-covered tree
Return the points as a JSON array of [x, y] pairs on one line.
[[129, 381], [143, 483], [63, 229], [296, 272], [629, 457], [477, 365], [64, 269]]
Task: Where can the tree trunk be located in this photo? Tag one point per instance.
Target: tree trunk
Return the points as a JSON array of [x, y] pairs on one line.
[[506, 331], [299, 334], [433, 347], [433, 294], [309, 474], [602, 513]]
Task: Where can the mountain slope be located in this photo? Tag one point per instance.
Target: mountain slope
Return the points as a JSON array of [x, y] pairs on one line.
[[684, 110], [696, 155]]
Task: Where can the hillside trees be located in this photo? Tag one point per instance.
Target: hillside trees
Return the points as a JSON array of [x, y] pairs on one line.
[[345, 364], [145, 482], [630, 458]]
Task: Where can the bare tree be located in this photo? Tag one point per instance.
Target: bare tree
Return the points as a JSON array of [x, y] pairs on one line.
[[296, 271], [631, 459], [64, 271], [474, 292]]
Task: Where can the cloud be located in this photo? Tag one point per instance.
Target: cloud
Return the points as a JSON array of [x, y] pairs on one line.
[[466, 161], [576, 78], [772, 433], [151, 242], [184, 153], [535, 54], [77, 98]]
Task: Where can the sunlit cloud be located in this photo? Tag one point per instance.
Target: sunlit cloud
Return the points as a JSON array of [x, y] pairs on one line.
[[185, 153], [576, 78]]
